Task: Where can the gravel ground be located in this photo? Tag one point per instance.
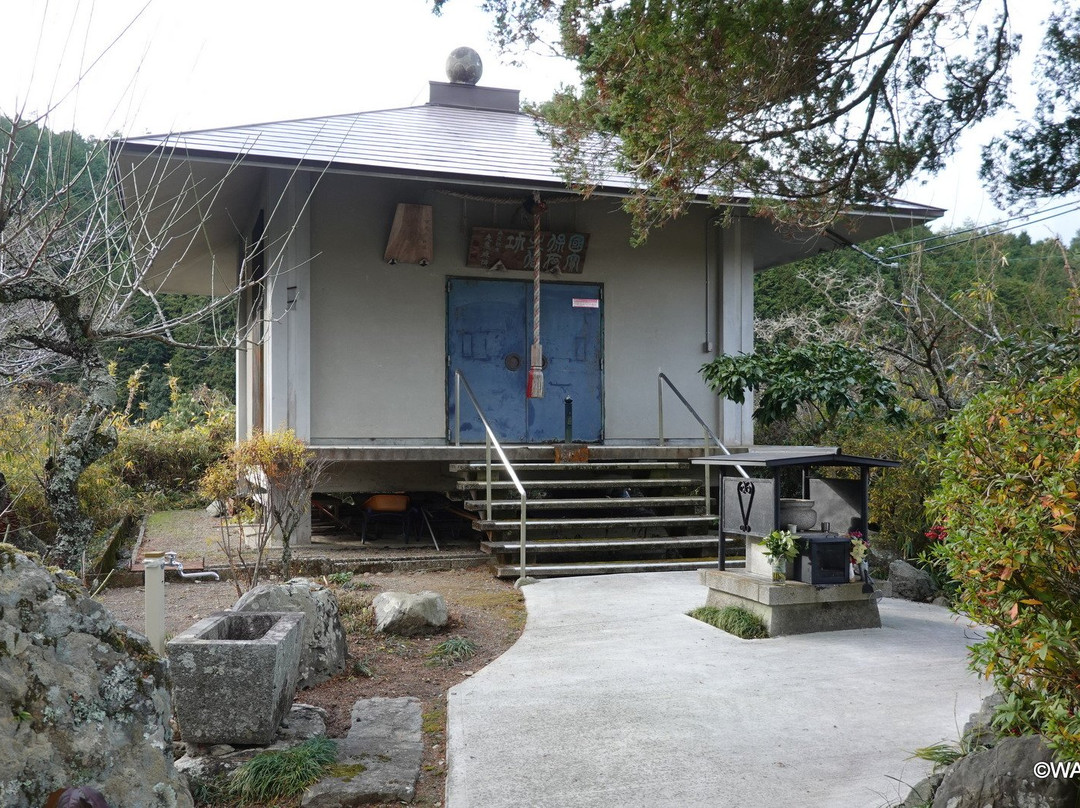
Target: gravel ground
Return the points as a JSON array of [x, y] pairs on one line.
[[186, 602]]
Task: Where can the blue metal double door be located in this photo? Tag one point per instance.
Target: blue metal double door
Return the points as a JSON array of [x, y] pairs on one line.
[[489, 334]]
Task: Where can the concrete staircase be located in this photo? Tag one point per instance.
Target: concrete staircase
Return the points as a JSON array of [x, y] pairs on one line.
[[594, 517]]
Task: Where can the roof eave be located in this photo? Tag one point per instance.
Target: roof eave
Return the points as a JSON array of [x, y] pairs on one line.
[[918, 214]]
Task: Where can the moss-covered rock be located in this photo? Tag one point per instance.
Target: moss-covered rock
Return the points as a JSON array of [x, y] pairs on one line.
[[83, 700]]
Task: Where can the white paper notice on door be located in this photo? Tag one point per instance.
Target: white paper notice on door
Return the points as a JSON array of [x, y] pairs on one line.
[[586, 303]]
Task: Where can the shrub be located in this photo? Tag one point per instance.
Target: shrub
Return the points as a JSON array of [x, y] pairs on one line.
[[733, 620], [155, 465], [282, 773], [165, 459], [279, 473], [31, 424], [27, 430], [1007, 507], [898, 495], [451, 650]]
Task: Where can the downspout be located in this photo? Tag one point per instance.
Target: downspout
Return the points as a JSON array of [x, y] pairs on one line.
[[707, 346]]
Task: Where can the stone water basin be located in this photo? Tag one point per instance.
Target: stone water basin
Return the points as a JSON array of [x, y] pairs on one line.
[[234, 676]]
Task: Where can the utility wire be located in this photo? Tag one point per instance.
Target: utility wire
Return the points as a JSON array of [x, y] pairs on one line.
[[944, 244], [1021, 220]]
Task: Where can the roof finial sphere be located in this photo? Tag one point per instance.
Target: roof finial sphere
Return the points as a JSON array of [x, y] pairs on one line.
[[463, 66]]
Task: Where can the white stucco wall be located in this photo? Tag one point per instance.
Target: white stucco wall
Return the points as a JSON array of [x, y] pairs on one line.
[[378, 332]]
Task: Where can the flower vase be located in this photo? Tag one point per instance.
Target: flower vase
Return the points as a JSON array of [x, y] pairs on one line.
[[779, 570]]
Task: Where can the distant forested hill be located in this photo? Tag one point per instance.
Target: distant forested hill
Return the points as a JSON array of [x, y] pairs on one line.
[[214, 368], [1026, 281]]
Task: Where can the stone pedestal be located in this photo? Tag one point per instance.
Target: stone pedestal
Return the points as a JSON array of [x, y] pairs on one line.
[[793, 608]]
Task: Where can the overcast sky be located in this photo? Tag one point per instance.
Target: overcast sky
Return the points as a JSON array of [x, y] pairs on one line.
[[196, 64]]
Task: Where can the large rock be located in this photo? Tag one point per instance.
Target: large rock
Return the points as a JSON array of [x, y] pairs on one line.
[[979, 729], [1005, 777], [324, 649], [83, 700], [910, 583], [406, 615], [922, 793]]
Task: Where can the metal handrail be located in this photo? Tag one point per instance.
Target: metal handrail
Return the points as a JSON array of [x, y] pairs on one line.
[[490, 440], [661, 379]]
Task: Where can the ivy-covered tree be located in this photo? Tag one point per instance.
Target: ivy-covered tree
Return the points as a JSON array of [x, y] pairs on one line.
[[809, 107]]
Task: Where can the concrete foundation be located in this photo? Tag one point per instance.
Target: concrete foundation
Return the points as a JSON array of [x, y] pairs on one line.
[[234, 676], [793, 608]]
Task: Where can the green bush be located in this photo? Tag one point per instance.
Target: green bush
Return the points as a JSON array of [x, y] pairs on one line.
[[155, 465], [282, 773], [897, 496], [165, 459], [1008, 515], [733, 620], [820, 385], [26, 432], [164, 465]]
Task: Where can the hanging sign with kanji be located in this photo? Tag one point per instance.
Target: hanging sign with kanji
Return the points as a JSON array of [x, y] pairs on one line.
[[495, 248]]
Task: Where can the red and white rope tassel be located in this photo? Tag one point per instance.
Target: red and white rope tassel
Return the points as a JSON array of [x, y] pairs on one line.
[[534, 388]]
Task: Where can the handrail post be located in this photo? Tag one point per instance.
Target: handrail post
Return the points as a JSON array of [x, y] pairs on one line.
[[492, 441], [523, 572], [457, 407], [661, 378], [708, 480], [660, 406], [487, 472]]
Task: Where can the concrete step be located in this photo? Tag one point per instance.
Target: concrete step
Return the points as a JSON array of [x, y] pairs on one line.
[[588, 503], [601, 524], [596, 545], [590, 467], [610, 567], [567, 528]]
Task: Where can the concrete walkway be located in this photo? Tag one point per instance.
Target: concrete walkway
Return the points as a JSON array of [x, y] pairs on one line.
[[614, 697]]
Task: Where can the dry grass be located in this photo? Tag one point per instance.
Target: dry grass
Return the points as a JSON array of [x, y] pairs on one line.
[[508, 605]]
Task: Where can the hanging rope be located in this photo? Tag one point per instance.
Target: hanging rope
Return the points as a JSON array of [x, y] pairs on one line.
[[535, 385]]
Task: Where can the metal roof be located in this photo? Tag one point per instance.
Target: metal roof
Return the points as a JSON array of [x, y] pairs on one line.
[[451, 142], [434, 140]]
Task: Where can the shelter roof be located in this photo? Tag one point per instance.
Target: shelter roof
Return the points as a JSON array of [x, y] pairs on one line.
[[779, 456]]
